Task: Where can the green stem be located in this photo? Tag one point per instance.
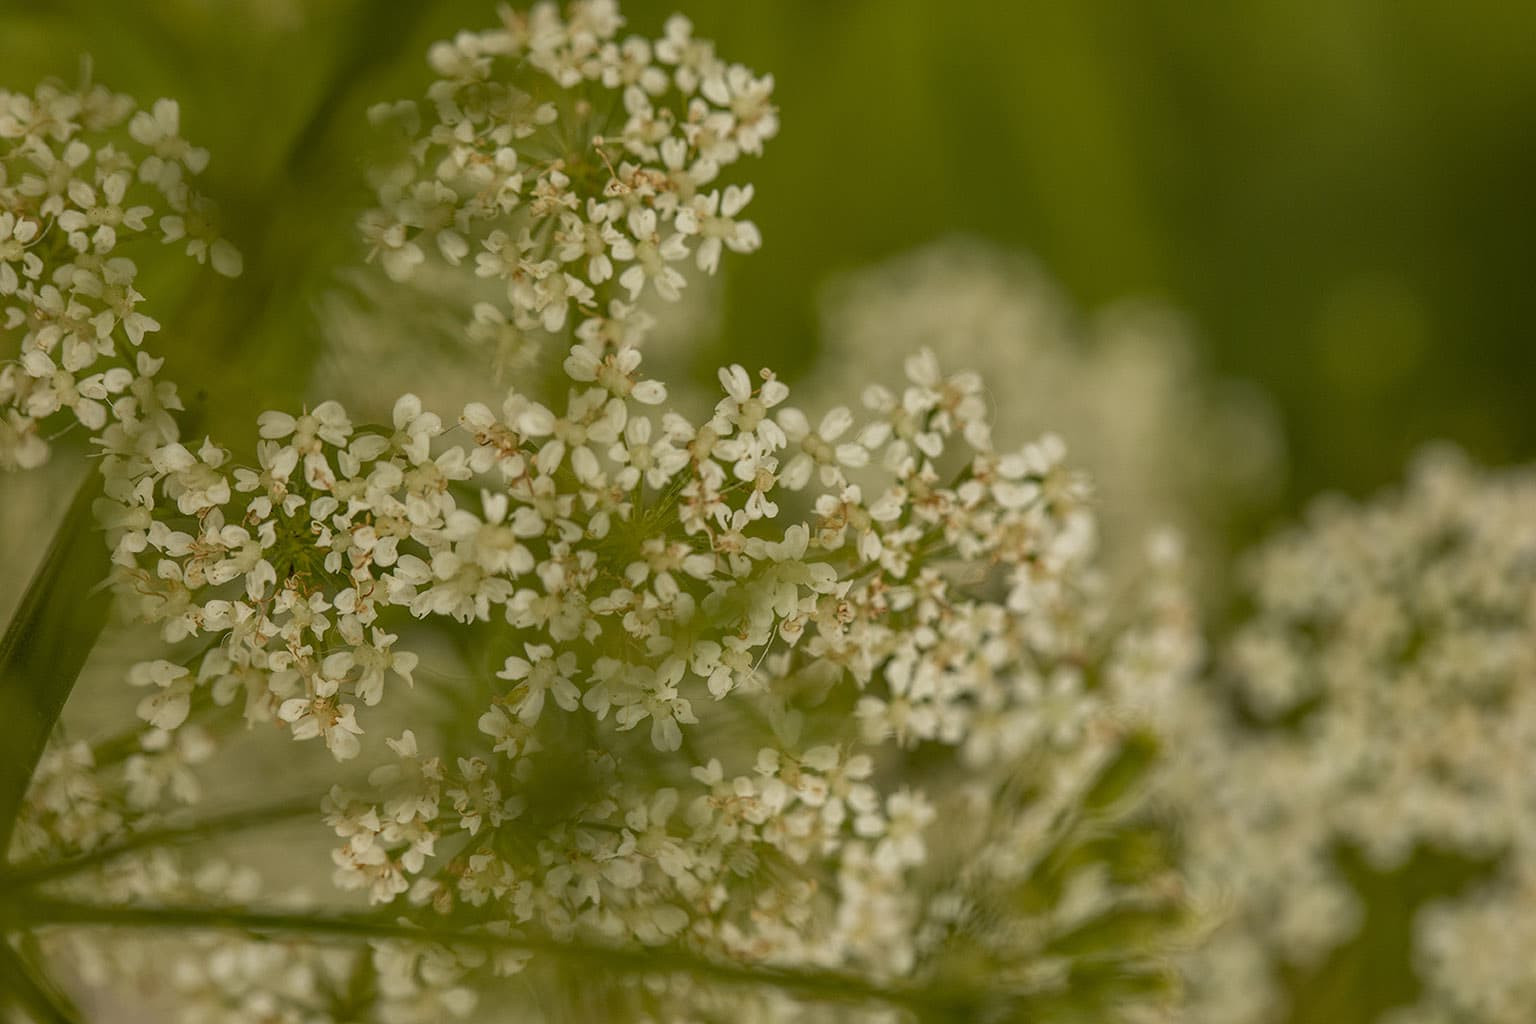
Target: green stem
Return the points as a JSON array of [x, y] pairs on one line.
[[29, 875], [820, 985], [20, 988]]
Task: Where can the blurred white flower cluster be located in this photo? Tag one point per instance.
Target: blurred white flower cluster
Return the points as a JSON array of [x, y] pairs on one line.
[[1383, 688], [1474, 952], [1166, 445], [588, 179], [83, 172]]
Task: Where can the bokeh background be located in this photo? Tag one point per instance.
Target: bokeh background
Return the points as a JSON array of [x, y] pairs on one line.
[[1337, 194]]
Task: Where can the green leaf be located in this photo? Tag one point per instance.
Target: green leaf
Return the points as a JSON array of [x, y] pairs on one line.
[[23, 992], [1120, 930], [46, 645], [1124, 773]]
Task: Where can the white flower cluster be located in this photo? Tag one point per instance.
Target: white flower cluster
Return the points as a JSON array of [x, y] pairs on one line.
[[1386, 673], [1125, 385], [82, 174], [1474, 953], [336, 524], [948, 616], [68, 805], [726, 674], [630, 570], [574, 170]]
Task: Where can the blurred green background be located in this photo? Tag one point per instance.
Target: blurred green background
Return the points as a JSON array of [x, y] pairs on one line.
[[1338, 193]]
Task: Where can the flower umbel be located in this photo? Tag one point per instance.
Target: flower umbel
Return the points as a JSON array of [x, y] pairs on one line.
[[83, 173], [575, 170]]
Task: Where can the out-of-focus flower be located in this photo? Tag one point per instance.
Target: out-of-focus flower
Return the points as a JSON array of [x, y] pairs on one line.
[[1165, 446], [1384, 684]]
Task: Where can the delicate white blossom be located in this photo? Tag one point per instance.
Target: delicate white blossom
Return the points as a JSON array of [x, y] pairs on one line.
[[82, 175], [570, 167]]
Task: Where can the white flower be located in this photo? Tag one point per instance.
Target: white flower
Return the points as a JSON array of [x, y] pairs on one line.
[[160, 129], [542, 673], [819, 450], [415, 428], [323, 715], [713, 219], [652, 253], [390, 244], [16, 235], [167, 707]]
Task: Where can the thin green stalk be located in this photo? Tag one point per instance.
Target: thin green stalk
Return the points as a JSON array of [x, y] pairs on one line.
[[820, 985], [21, 989], [29, 875]]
